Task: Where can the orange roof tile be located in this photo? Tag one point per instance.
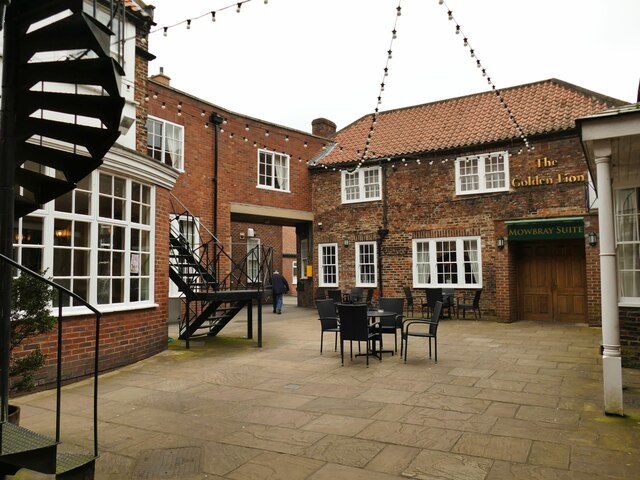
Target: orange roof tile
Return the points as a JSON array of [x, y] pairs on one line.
[[539, 108]]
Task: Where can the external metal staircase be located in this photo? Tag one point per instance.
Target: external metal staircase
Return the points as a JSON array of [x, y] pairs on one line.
[[196, 259], [61, 109]]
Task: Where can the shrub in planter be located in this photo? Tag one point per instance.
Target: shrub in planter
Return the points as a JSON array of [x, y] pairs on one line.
[[30, 317]]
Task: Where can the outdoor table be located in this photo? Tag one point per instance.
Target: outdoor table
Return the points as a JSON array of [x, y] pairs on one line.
[[373, 314]]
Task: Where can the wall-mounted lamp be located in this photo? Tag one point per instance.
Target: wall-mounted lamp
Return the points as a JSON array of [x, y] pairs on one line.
[[345, 242], [251, 232], [320, 225], [592, 238], [500, 243]]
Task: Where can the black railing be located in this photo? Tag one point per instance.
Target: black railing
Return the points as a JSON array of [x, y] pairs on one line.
[[251, 272], [62, 291]]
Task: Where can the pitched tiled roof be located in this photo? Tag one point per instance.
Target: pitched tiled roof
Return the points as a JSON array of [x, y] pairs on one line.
[[539, 108]]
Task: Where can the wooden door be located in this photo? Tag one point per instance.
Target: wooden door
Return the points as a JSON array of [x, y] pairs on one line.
[[552, 281]]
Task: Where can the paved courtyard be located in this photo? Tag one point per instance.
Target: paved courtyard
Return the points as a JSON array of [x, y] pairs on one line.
[[505, 401]]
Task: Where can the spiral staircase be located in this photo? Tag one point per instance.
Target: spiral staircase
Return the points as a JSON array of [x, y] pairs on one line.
[[61, 109]]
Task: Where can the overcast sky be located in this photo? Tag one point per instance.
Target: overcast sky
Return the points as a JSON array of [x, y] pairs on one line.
[[291, 61]]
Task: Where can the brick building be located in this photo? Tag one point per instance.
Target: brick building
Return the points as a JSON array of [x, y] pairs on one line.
[[263, 182], [452, 194]]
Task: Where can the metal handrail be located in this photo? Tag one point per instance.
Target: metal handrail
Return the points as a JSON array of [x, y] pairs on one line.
[[61, 292]]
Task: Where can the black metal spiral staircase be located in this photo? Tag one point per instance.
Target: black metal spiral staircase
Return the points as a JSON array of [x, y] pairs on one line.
[[209, 300], [53, 50]]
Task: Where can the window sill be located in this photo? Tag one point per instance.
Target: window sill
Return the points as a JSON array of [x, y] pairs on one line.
[[79, 311]]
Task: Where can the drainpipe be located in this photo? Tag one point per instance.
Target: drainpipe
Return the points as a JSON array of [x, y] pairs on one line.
[[217, 121], [382, 231]]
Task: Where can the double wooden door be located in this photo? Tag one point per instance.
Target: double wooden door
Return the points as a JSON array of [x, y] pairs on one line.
[[552, 281]]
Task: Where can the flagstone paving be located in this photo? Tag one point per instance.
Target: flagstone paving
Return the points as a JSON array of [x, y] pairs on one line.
[[504, 402]]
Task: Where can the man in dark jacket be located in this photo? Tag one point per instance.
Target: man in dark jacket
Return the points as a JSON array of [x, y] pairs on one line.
[[279, 287]]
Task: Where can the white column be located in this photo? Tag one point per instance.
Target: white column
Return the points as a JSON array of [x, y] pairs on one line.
[[611, 358]]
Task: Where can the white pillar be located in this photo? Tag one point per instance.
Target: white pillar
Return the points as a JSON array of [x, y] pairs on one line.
[[611, 357]]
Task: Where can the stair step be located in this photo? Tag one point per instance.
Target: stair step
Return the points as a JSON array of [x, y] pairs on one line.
[[74, 166], [24, 448], [75, 466], [105, 108], [101, 72], [75, 32], [32, 12], [97, 141], [43, 187]]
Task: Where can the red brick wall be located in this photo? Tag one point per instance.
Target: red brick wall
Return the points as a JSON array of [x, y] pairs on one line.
[[630, 336], [237, 159], [421, 199]]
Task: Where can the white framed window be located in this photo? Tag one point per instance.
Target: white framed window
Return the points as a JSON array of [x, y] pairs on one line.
[[304, 257], [294, 272], [447, 262], [165, 142], [273, 170], [366, 261], [628, 244], [97, 241], [328, 265], [253, 259], [362, 185], [482, 173]]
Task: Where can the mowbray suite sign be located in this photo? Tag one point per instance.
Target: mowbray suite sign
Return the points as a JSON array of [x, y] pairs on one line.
[[551, 228]]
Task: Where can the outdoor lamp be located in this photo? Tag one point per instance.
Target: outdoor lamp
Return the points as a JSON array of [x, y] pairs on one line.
[[500, 243], [592, 238]]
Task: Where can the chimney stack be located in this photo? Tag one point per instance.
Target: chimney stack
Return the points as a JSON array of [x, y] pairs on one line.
[[162, 78], [321, 127]]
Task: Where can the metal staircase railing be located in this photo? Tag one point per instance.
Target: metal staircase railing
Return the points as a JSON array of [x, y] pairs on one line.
[[50, 138], [51, 460], [196, 260]]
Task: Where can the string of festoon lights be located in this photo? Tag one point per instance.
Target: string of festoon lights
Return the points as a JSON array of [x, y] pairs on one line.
[[467, 44], [376, 111], [244, 130]]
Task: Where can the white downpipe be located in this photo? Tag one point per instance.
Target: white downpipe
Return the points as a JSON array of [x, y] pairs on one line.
[[611, 356]]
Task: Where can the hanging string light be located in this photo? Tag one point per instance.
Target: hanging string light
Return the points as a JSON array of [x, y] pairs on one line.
[[374, 118], [498, 93]]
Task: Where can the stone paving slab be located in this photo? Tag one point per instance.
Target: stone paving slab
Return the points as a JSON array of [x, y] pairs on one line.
[[504, 402]]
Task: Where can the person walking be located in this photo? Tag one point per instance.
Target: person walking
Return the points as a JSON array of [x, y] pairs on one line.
[[279, 286]]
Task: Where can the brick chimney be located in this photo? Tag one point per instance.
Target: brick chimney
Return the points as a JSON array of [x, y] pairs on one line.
[[162, 78], [322, 127]]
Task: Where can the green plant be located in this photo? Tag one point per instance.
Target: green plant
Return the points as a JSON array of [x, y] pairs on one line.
[[30, 317]]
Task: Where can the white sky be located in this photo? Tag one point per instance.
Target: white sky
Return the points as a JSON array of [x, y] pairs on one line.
[[291, 61]]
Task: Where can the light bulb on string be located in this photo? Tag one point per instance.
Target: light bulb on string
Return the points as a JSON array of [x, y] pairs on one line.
[[164, 105], [238, 7], [457, 29], [266, 133], [466, 42], [213, 16], [394, 34], [202, 113], [386, 71], [440, 2], [389, 54], [450, 13], [206, 125], [189, 24], [472, 52], [399, 9], [165, 30], [146, 97]]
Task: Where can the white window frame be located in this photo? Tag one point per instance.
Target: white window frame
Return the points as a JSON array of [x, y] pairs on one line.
[[126, 273], [426, 271], [483, 173], [304, 258], [323, 274], [253, 261], [627, 232], [360, 273], [357, 186], [160, 153], [269, 164], [294, 272]]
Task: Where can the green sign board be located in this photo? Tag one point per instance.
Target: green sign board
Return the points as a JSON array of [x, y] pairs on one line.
[[549, 229]]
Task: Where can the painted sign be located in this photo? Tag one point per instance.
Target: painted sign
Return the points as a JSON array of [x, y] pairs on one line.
[[546, 178], [525, 230]]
